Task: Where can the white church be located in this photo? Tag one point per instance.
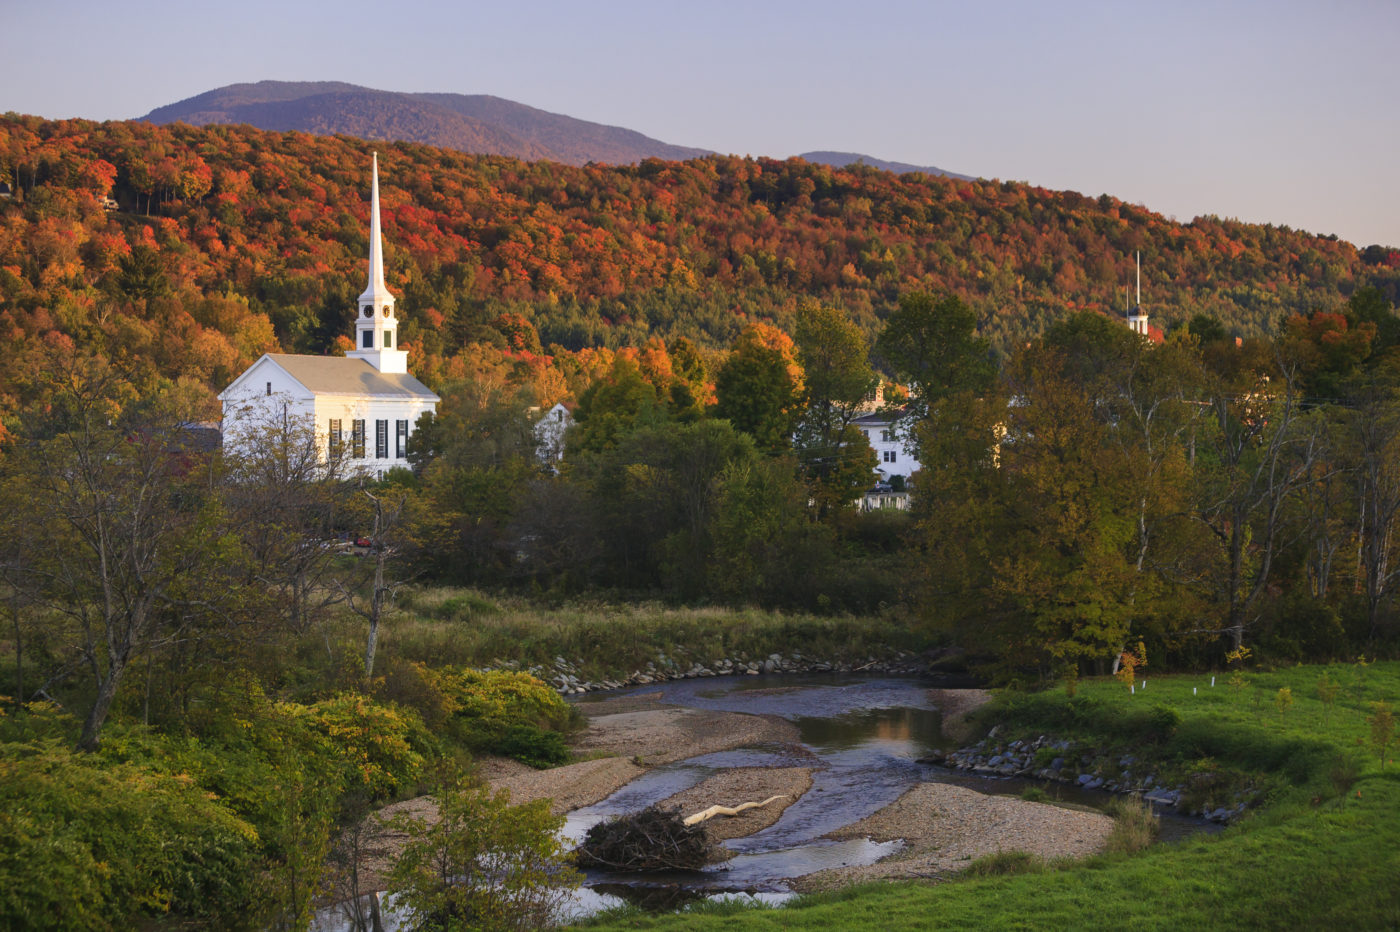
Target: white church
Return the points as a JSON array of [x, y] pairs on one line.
[[360, 407]]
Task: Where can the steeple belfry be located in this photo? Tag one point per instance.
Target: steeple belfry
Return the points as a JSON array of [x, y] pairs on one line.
[[376, 327]]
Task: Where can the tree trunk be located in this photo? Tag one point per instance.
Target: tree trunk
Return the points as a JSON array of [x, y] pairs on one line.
[[19, 653], [97, 715], [1235, 627], [376, 608]]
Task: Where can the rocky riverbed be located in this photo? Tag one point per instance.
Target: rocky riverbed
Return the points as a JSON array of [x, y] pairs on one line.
[[568, 679], [856, 799], [1061, 761]]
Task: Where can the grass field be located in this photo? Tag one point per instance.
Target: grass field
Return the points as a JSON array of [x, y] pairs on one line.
[[1320, 850], [461, 626]]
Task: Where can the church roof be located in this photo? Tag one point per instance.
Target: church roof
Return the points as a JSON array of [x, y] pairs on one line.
[[337, 375]]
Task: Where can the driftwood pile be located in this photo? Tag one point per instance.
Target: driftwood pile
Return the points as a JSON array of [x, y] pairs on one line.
[[651, 840]]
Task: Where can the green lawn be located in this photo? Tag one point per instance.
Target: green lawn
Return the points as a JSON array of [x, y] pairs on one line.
[[1304, 858]]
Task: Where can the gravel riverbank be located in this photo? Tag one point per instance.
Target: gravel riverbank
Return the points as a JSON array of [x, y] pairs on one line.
[[946, 827], [664, 735]]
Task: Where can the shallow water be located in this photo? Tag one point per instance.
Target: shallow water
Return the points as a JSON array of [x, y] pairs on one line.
[[863, 736]]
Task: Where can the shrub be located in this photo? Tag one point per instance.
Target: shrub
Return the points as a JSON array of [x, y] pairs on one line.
[[464, 607], [482, 709], [381, 748], [534, 746], [88, 844], [1157, 724], [1135, 825], [1342, 775], [485, 864], [1004, 863]]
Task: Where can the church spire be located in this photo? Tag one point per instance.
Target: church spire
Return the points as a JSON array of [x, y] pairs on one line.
[[376, 288], [375, 324], [1137, 317]]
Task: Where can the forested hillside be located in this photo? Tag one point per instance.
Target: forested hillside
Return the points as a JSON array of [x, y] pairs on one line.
[[228, 241]]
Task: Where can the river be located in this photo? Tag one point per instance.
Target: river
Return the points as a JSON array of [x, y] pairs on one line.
[[863, 736]]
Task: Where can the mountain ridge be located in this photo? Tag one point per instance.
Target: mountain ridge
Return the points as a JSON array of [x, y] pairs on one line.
[[481, 124], [847, 159]]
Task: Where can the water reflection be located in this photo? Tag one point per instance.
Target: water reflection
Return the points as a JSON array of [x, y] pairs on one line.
[[901, 730]]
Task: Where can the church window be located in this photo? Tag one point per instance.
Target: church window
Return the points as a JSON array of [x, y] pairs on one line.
[[401, 439], [388, 339], [381, 440], [369, 311], [269, 388], [357, 439], [335, 449], [368, 339]]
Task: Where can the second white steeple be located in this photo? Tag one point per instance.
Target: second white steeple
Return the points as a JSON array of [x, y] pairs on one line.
[[1137, 317]]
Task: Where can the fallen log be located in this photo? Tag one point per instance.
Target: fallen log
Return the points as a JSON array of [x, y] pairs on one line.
[[713, 811]]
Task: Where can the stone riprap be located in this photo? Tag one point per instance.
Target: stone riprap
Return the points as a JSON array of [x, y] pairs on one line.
[[1048, 758], [567, 678]]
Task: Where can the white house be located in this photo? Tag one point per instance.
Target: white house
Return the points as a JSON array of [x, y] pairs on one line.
[[549, 434], [361, 408], [888, 433]]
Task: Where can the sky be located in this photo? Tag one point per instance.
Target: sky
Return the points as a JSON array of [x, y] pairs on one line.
[[1280, 112]]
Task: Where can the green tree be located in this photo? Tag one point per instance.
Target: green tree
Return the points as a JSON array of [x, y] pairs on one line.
[[838, 379], [653, 495], [283, 498], [612, 407], [766, 547], [932, 343], [1256, 450], [130, 540], [758, 388], [1206, 329], [1377, 472], [1143, 398], [960, 504], [482, 422], [1369, 305], [483, 865], [1062, 563]]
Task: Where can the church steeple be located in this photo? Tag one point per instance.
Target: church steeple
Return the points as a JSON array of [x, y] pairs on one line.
[[376, 327], [1137, 317]]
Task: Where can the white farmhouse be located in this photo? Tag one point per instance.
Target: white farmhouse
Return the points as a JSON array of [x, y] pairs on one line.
[[888, 434], [549, 434], [361, 407]]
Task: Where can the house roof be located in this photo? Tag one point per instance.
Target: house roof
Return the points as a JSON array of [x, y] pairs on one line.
[[880, 418], [338, 375]]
